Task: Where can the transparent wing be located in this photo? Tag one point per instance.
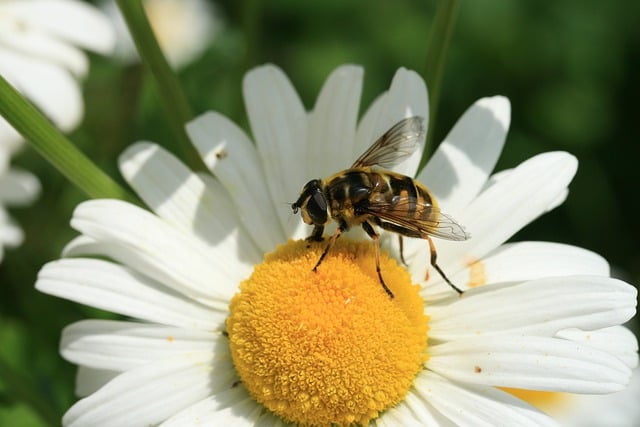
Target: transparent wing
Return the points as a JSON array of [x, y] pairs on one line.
[[419, 220], [395, 145]]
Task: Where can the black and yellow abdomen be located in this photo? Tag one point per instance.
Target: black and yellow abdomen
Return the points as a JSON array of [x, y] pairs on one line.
[[349, 194]]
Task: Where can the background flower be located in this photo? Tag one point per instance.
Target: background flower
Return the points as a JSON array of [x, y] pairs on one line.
[[40, 54], [184, 29]]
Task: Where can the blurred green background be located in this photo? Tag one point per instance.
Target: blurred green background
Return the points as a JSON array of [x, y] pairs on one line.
[[569, 68]]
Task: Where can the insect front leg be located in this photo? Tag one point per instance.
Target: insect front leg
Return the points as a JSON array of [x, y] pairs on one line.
[[316, 234], [371, 232], [332, 241], [434, 256]]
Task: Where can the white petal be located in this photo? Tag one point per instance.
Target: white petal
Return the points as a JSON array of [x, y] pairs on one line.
[[504, 208], [460, 166], [521, 261], [11, 234], [541, 307], [116, 345], [413, 410], [366, 131], [613, 410], [89, 380], [184, 200], [406, 97], [233, 159], [155, 248], [532, 260], [5, 158], [475, 406], [244, 244], [184, 28], [50, 87], [71, 20], [11, 139], [230, 408], [332, 124], [18, 187], [397, 416], [124, 49], [279, 125], [616, 340], [151, 393], [531, 363], [112, 287], [554, 203], [45, 48]]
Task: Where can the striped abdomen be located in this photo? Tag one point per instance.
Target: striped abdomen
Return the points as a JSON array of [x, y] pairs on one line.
[[351, 192]]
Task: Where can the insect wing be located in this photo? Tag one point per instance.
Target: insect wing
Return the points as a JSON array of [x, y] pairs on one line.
[[395, 145], [420, 219]]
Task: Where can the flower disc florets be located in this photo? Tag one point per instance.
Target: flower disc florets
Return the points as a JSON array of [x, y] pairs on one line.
[[327, 347]]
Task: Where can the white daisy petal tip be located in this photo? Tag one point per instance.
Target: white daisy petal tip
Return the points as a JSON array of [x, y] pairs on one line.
[[407, 97], [349, 71], [568, 163], [135, 155], [262, 74], [500, 106], [332, 122], [412, 95]]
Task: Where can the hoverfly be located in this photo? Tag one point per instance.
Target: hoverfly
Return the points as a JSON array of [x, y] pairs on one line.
[[369, 195]]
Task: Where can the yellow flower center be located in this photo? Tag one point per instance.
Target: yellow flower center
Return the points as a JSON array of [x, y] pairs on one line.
[[327, 347]]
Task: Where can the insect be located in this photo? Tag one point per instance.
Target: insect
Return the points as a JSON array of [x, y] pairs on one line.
[[369, 195]]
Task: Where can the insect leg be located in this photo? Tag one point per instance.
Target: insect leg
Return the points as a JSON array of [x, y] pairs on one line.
[[400, 243], [401, 231], [371, 232], [434, 256], [332, 241], [316, 234]]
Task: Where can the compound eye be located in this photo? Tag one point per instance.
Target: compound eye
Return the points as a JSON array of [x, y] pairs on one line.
[[317, 208], [320, 201]]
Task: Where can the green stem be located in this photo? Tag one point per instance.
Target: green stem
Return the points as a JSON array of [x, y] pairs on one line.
[[437, 47], [21, 390], [251, 14], [171, 95], [56, 148]]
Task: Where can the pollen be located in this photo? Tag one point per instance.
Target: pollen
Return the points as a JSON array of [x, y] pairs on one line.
[[327, 347]]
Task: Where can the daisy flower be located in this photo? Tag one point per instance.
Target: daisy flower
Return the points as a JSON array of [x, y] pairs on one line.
[[222, 334], [184, 29], [41, 44]]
